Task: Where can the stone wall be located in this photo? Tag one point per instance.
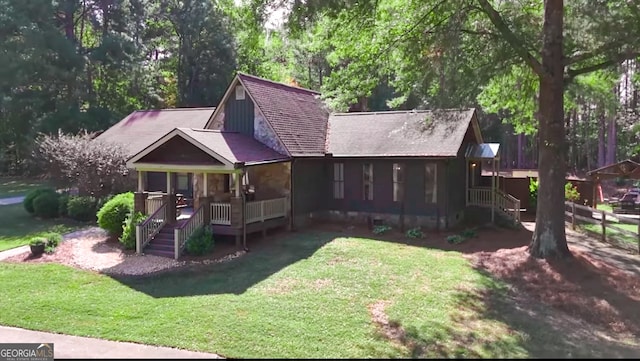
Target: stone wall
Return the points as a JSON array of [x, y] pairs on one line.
[[410, 221], [218, 121], [270, 180], [215, 188], [265, 135]]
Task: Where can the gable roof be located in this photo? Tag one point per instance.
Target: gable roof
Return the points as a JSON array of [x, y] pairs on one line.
[[143, 127], [435, 133], [229, 148], [297, 115]]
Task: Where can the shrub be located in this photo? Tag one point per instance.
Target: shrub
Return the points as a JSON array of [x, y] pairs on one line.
[[200, 242], [46, 205], [37, 241], [63, 203], [128, 237], [415, 233], [469, 233], [533, 193], [53, 239], [571, 192], [112, 215], [32, 195], [82, 208], [380, 229], [95, 167], [456, 239]]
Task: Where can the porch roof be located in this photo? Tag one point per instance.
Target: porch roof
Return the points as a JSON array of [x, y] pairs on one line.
[[483, 151], [228, 150]]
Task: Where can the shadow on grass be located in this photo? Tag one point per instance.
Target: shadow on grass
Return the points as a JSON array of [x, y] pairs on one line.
[[266, 257], [533, 331]]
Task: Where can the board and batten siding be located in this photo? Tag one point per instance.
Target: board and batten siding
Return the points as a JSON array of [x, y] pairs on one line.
[[239, 114], [310, 188], [414, 187]]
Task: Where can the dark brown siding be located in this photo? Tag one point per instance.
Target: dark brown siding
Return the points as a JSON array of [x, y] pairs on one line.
[[415, 203], [179, 151], [310, 187], [239, 114]]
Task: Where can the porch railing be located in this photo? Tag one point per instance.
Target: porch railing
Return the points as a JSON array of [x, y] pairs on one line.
[[182, 233], [153, 203], [221, 213], [146, 230], [260, 211], [257, 211], [504, 202]]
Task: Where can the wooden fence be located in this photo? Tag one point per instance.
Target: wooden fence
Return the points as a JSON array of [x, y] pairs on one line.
[[579, 215]]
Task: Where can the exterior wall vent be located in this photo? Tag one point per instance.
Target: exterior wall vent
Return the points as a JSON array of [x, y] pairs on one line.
[[239, 92]]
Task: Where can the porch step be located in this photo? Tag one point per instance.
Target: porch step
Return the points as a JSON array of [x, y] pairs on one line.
[[163, 243], [160, 253]]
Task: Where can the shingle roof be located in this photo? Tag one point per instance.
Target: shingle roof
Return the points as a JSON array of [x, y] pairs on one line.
[[437, 133], [141, 128], [297, 115], [234, 147]]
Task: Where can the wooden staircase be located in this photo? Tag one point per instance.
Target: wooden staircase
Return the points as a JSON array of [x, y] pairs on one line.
[[162, 244]]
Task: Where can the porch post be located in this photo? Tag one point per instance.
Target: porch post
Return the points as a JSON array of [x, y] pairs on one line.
[[493, 191], [205, 186], [169, 185], [466, 181], [141, 175], [236, 181]]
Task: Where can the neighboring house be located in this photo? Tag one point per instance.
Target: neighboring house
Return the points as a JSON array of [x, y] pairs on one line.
[[272, 155]]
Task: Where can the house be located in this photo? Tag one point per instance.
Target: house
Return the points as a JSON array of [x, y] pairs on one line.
[[271, 155]]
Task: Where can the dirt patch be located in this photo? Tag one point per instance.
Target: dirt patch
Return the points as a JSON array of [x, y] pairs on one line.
[[92, 249], [389, 330]]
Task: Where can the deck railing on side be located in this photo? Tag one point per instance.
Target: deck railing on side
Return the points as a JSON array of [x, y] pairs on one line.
[[504, 202], [260, 211], [182, 233], [146, 230], [221, 213]]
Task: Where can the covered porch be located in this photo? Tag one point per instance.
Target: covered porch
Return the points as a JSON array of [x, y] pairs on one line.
[[239, 186], [479, 195]]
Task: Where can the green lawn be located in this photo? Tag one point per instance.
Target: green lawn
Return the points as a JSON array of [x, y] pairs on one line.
[[604, 207], [18, 226], [13, 186], [306, 295]]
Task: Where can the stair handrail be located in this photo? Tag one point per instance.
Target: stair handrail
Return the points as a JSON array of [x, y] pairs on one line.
[[185, 230], [146, 230]]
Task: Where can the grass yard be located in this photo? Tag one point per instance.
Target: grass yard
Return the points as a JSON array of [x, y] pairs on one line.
[[17, 226], [13, 187], [303, 295]]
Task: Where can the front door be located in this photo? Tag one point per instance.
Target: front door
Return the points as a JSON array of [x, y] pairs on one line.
[[184, 184]]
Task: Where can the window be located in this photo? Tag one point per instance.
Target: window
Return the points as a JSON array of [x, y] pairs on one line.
[[182, 181], [338, 180], [430, 183], [367, 181], [239, 92], [398, 182]]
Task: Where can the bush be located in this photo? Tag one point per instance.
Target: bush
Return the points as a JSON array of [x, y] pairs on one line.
[[37, 241], [200, 242], [46, 205], [94, 167], [32, 195], [380, 229], [63, 203], [112, 215], [533, 193], [571, 192], [415, 233], [82, 208], [52, 241], [128, 237]]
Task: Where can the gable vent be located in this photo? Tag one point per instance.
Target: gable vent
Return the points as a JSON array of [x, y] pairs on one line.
[[239, 92]]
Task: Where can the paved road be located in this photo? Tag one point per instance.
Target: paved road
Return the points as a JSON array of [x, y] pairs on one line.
[[65, 346], [11, 200]]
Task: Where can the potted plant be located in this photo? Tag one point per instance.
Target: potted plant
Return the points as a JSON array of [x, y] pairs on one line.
[[37, 245]]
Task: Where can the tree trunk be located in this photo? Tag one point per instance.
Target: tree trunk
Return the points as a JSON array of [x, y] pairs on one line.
[[601, 130], [612, 143], [549, 238]]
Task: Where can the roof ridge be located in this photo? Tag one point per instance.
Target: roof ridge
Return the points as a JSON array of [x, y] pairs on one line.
[[401, 111], [173, 109], [278, 83], [204, 130]]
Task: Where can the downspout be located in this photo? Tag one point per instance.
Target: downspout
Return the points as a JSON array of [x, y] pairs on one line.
[[244, 212], [446, 198]]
